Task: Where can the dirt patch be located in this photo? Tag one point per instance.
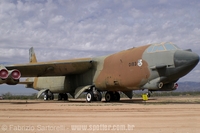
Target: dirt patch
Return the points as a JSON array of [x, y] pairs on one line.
[[174, 114]]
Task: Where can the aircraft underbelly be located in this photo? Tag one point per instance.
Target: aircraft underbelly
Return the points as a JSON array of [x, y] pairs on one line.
[[54, 84]]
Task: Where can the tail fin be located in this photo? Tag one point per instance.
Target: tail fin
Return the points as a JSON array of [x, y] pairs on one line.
[[32, 56]]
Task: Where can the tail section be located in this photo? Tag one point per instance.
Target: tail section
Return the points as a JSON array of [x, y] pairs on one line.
[[32, 59], [32, 56]]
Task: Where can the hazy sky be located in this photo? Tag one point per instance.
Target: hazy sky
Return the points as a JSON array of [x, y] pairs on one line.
[[64, 29]]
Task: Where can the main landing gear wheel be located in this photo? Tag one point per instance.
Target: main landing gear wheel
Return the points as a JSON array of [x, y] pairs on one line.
[[48, 95], [91, 96], [148, 94], [51, 96], [65, 97], [108, 96], [116, 96], [62, 96], [98, 96], [112, 96]]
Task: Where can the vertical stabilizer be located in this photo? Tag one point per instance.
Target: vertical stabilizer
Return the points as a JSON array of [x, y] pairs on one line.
[[32, 56]]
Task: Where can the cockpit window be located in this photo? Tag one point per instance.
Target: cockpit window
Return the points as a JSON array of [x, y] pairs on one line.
[[149, 50], [158, 48], [170, 47], [161, 47]]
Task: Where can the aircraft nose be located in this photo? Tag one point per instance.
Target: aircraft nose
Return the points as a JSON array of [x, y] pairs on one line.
[[185, 58]]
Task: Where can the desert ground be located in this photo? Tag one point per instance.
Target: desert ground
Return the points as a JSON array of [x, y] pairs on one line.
[[157, 115]]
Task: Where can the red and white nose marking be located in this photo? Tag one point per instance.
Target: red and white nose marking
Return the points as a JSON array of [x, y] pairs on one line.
[[4, 74], [15, 74]]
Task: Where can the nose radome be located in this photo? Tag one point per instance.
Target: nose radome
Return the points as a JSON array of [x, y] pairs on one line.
[[185, 58]]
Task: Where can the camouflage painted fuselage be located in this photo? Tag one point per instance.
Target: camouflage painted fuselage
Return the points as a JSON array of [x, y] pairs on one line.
[[126, 70], [152, 67]]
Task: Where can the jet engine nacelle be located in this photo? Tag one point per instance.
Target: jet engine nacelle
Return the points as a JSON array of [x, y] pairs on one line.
[[10, 77], [169, 87], [158, 85], [155, 84]]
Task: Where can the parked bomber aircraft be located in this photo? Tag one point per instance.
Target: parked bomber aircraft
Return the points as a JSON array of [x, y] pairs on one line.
[[156, 67]]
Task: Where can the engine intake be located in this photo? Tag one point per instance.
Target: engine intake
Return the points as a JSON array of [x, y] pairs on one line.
[[168, 87]]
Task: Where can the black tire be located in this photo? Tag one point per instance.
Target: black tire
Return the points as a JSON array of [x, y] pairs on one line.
[[99, 96], [89, 96], [148, 94], [108, 96], [117, 96], [65, 96], [46, 97], [59, 97], [51, 97]]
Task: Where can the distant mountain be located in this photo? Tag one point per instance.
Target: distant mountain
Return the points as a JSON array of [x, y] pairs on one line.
[[188, 86]]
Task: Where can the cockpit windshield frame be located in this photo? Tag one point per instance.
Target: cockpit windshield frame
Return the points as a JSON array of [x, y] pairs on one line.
[[161, 47]]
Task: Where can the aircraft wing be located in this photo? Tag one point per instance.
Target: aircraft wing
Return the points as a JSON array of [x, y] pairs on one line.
[[53, 68]]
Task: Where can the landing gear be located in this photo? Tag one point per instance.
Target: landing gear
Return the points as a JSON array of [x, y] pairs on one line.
[[48, 95], [62, 96], [89, 96], [112, 96], [93, 95], [148, 94], [51, 96], [108, 96], [98, 96]]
